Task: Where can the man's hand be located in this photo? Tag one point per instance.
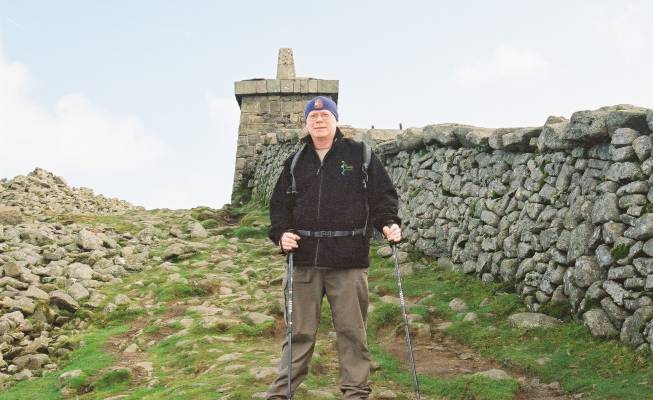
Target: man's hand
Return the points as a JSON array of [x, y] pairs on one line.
[[392, 232], [289, 241]]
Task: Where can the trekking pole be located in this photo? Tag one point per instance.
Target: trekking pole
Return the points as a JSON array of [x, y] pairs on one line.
[[289, 322], [411, 360]]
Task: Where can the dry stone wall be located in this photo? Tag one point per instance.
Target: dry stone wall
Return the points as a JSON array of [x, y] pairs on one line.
[[563, 211]]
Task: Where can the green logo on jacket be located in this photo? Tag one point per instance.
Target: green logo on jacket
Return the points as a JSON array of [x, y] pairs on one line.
[[344, 168]]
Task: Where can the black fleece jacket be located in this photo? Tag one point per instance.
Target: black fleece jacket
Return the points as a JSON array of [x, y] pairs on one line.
[[331, 197]]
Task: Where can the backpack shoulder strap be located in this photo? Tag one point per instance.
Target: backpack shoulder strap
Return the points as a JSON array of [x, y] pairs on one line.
[[293, 184], [367, 157]]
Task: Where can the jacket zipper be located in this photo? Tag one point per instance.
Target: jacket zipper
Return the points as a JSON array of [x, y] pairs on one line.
[[319, 197]]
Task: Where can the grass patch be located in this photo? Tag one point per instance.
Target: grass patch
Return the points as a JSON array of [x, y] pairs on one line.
[[118, 222], [326, 319], [620, 251], [210, 224], [80, 384], [152, 329], [114, 380], [601, 369], [122, 315], [89, 358], [255, 217], [559, 310], [176, 291], [259, 330], [384, 314], [244, 232]]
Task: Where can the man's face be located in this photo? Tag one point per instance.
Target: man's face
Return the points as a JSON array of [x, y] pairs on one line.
[[321, 123]]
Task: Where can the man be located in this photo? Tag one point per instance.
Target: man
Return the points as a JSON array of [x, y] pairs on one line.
[[325, 223]]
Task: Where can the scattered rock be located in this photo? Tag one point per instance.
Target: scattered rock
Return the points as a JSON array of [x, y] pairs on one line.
[[458, 305], [385, 394], [496, 374], [197, 231], [385, 251], [10, 216], [258, 318], [66, 376], [599, 324], [229, 357], [88, 241], [64, 300], [263, 373], [132, 348], [528, 320]]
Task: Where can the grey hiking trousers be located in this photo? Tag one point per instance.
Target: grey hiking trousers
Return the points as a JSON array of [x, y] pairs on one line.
[[347, 292]]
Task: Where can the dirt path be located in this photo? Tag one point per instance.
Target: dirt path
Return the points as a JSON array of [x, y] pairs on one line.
[[441, 356], [116, 344]]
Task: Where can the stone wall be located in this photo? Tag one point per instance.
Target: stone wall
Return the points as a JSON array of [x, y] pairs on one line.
[[563, 211]]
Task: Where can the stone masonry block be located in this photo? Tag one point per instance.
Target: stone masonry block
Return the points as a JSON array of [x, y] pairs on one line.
[[312, 86], [254, 139], [273, 85], [263, 105], [261, 86], [287, 107], [245, 87], [327, 86], [287, 85], [249, 105], [254, 118]]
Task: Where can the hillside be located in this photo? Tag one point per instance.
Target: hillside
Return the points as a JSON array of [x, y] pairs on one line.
[[101, 299]]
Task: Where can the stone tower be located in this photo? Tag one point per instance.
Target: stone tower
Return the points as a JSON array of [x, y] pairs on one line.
[[272, 106]]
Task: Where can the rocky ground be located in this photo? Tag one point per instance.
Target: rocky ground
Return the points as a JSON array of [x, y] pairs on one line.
[[102, 299]]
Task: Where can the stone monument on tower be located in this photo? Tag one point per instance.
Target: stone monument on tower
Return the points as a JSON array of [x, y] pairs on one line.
[[272, 106]]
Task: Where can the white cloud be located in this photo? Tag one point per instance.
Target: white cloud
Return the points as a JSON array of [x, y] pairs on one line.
[[74, 135], [507, 64], [624, 26]]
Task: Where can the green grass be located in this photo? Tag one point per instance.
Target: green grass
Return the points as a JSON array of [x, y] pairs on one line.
[[89, 358], [176, 291], [244, 232], [123, 223], [253, 331], [601, 369], [567, 354], [384, 315], [122, 315], [113, 380], [620, 251]]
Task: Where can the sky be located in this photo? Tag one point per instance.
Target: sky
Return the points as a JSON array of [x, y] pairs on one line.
[[135, 99]]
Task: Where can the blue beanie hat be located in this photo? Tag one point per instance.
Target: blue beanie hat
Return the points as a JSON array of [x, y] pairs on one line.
[[321, 103]]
